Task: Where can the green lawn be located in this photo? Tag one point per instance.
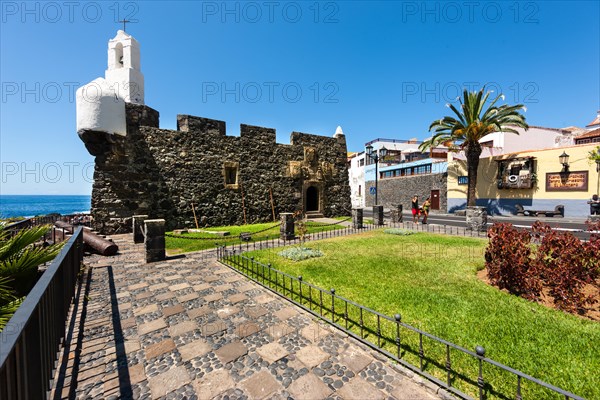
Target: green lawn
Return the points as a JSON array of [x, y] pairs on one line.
[[186, 243], [431, 281]]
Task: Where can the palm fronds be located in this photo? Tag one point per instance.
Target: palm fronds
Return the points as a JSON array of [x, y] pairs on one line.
[[473, 120], [20, 256], [8, 302]]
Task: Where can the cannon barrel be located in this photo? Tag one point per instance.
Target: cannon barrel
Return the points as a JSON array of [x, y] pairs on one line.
[[102, 246]]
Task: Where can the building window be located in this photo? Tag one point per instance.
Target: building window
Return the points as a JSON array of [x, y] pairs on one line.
[[359, 190], [419, 170], [231, 174], [361, 162]]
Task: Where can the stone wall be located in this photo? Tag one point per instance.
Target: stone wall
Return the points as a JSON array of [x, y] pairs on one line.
[[400, 190], [160, 173]]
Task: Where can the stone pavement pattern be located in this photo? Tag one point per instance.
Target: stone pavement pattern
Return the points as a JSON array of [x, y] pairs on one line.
[[192, 328]]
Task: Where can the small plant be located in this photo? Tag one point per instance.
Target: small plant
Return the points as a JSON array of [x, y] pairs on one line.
[[301, 228], [534, 179], [594, 155], [398, 231], [300, 253]]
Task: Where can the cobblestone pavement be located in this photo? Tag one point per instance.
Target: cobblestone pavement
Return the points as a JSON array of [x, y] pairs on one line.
[[189, 327]]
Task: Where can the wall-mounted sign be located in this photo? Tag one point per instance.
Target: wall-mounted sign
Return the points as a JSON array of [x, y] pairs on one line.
[[463, 180], [372, 190], [567, 181]]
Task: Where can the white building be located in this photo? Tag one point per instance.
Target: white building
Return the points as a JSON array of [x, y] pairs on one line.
[[356, 173], [361, 168], [535, 138]]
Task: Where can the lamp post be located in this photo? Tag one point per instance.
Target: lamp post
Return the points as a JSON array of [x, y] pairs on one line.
[[376, 156], [598, 171], [564, 160]]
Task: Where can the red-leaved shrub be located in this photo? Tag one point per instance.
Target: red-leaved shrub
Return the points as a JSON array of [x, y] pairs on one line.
[[560, 262], [509, 262], [567, 265]]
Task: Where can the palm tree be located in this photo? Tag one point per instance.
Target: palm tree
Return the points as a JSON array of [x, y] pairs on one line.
[[473, 122], [19, 261]]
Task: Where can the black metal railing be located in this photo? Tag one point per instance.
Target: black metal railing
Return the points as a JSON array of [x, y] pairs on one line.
[[76, 220], [15, 227], [30, 341], [276, 241], [415, 349]]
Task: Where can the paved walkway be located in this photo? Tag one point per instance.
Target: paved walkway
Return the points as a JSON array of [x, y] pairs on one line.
[[191, 328]]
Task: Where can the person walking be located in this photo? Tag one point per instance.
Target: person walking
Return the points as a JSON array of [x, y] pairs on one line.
[[415, 208], [426, 207], [594, 205]]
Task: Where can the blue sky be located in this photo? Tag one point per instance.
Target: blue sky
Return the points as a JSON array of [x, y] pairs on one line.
[[378, 69]]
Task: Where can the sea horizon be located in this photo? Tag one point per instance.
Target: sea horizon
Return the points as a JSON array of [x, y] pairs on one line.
[[31, 205]]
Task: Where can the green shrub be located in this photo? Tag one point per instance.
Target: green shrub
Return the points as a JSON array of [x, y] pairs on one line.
[[398, 231], [300, 253]]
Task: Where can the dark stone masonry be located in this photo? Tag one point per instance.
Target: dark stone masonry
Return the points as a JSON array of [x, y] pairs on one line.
[[161, 173]]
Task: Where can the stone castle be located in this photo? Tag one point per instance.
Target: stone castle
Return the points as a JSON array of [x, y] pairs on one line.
[[172, 174]]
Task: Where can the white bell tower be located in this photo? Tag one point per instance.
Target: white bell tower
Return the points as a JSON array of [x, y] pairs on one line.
[[101, 103], [124, 71]]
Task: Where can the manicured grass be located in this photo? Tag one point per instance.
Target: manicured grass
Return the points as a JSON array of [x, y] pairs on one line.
[[186, 243], [431, 281]]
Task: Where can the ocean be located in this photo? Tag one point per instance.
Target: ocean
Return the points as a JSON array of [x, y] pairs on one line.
[[33, 205]]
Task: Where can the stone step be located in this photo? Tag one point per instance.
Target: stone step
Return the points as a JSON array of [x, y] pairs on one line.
[[314, 215]]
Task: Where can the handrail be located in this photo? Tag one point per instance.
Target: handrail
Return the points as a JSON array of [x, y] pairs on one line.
[[30, 341]]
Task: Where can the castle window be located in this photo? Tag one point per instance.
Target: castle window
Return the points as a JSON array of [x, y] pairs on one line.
[[231, 174]]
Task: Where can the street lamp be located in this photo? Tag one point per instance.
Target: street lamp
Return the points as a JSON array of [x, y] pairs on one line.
[[376, 156], [564, 160]]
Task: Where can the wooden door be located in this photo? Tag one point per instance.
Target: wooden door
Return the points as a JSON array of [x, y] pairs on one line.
[[435, 199]]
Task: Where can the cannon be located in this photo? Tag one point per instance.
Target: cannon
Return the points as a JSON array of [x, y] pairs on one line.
[[100, 245]]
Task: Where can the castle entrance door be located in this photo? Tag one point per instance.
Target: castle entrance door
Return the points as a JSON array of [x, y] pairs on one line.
[[312, 199]]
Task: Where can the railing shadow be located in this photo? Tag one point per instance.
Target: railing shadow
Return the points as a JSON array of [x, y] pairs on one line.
[[122, 370], [125, 390], [60, 382]]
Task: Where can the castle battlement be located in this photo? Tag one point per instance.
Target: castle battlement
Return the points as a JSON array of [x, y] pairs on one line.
[[143, 169]]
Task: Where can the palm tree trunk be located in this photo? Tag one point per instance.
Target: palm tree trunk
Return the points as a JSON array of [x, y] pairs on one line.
[[473, 151]]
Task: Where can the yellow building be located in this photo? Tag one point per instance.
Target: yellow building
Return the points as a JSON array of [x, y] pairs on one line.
[[536, 179]]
